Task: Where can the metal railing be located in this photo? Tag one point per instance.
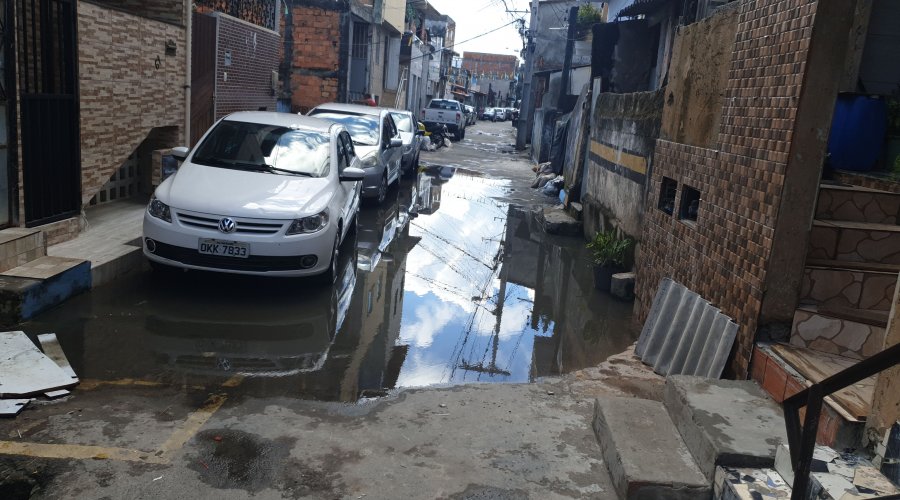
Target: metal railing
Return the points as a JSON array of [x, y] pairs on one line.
[[802, 440]]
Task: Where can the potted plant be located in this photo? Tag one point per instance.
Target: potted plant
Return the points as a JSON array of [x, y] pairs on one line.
[[609, 253]]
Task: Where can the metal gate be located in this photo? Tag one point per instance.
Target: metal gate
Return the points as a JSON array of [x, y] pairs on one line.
[[8, 173], [203, 75], [48, 96]]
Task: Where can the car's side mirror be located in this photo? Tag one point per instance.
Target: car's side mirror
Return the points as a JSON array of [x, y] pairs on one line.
[[180, 153], [396, 143], [352, 174]]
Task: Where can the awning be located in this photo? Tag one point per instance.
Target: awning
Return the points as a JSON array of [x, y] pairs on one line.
[[461, 94], [642, 8]]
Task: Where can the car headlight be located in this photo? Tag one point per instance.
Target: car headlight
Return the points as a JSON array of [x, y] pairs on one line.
[[370, 161], [159, 210], [311, 224]]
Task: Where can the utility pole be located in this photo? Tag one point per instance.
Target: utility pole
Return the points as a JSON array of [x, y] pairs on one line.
[[526, 111], [567, 63]]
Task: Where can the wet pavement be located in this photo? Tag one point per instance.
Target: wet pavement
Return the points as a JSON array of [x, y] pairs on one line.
[[443, 284], [449, 283]]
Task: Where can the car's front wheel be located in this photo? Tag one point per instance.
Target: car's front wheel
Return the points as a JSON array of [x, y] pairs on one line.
[[330, 275], [382, 189]]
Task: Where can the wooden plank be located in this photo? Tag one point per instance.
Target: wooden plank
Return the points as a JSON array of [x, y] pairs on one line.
[[817, 366], [25, 370]]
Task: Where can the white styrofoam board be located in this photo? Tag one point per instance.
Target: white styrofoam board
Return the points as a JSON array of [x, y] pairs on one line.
[[25, 370], [51, 347], [12, 407]]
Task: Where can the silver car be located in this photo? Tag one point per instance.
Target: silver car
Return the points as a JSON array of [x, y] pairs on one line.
[[411, 137], [376, 139]]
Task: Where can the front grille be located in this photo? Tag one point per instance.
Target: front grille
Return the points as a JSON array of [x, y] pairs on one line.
[[243, 226], [259, 263]]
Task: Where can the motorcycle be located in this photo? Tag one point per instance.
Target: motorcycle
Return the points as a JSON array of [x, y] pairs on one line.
[[439, 135]]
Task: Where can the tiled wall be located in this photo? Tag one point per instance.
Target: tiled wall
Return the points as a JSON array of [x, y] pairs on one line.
[[724, 254], [124, 95]]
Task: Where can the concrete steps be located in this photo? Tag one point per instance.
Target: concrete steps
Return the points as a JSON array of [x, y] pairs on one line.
[[849, 241], [671, 449], [848, 286], [858, 204], [725, 422], [19, 245], [644, 453], [850, 332], [40, 284]]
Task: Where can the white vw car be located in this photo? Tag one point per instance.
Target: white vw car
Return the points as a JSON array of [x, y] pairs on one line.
[[262, 193]]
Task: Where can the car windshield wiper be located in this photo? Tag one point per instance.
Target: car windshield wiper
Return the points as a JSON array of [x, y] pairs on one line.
[[265, 167]]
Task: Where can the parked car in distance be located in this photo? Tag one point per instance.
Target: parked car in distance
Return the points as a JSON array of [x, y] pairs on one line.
[[262, 193], [446, 112], [471, 119], [411, 137], [499, 115], [512, 113], [377, 142], [487, 114]]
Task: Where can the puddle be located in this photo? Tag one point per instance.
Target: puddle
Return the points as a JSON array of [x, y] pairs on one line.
[[449, 285]]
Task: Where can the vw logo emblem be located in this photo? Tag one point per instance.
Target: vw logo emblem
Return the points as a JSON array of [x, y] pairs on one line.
[[227, 225]]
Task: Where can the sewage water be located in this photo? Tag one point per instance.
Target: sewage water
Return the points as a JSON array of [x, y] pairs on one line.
[[443, 284]]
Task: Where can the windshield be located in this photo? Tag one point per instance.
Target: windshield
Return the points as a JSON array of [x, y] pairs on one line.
[[363, 128], [403, 122], [264, 147], [444, 104]]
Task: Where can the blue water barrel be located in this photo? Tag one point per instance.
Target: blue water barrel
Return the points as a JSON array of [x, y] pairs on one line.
[[857, 132]]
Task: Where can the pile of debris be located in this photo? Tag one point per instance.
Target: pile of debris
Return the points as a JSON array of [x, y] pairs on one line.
[[548, 181], [26, 372]]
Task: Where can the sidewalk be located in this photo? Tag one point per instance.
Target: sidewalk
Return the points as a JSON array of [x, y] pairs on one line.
[[111, 241]]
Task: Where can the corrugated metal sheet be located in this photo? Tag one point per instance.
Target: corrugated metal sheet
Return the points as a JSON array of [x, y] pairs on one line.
[[685, 334]]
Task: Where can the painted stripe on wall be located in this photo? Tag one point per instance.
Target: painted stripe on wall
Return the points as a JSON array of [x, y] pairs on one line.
[[622, 158]]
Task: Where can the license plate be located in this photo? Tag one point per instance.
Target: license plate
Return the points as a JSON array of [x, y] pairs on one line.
[[224, 248]]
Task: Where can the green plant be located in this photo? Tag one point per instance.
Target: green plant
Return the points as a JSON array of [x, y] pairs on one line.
[[588, 15], [608, 249]]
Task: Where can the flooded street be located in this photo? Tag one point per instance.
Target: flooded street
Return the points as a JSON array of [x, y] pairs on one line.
[[427, 370], [443, 284]]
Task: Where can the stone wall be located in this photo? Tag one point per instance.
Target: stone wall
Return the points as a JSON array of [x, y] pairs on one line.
[[128, 86], [726, 253], [318, 45], [247, 55], [624, 128]]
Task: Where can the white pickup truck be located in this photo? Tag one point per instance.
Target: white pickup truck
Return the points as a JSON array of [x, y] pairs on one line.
[[446, 112]]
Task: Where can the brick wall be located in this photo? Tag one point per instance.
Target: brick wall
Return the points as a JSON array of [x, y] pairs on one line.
[[724, 255], [245, 84], [316, 60], [123, 94], [498, 64]]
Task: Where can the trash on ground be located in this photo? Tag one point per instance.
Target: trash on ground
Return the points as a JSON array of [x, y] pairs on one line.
[[52, 349], [25, 370], [12, 407]]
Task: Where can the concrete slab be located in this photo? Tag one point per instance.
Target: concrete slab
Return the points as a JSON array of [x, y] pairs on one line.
[[622, 286], [725, 422], [558, 221], [644, 454], [23, 297]]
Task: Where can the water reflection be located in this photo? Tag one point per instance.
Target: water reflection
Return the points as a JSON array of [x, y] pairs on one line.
[[446, 285]]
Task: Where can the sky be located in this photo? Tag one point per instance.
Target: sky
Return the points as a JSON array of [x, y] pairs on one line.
[[474, 17]]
